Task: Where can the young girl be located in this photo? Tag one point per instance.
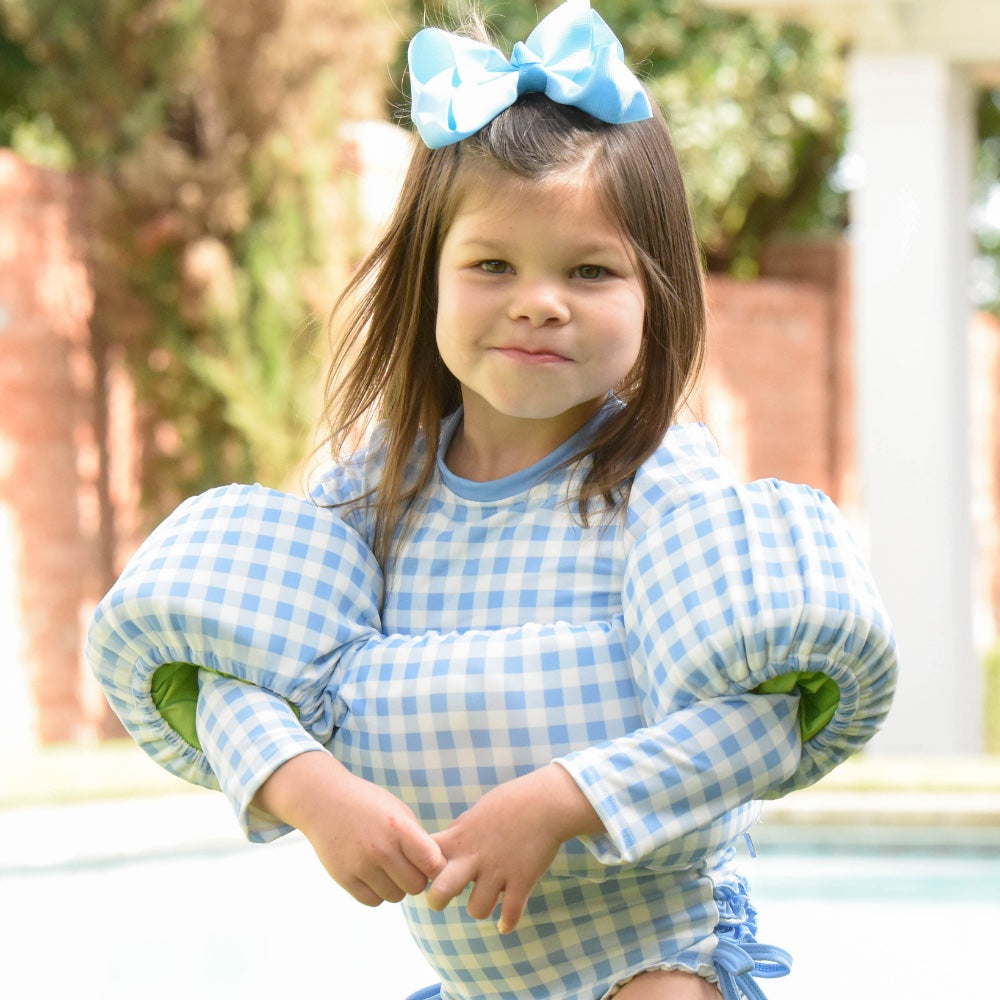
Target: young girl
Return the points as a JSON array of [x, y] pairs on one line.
[[530, 639]]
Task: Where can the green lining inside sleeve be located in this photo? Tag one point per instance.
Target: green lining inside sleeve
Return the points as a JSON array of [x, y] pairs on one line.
[[174, 691], [819, 696]]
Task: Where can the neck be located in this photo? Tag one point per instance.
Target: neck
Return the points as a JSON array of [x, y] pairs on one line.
[[485, 451]]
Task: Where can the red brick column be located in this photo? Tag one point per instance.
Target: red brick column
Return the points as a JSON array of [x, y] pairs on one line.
[[45, 381]]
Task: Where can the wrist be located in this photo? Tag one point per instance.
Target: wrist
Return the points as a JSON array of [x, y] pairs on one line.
[[300, 789], [574, 815]]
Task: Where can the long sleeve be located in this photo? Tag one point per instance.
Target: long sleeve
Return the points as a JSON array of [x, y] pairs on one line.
[[762, 658], [246, 734], [659, 789]]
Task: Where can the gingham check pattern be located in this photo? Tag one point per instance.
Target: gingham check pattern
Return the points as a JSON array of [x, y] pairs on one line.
[[463, 694], [243, 580]]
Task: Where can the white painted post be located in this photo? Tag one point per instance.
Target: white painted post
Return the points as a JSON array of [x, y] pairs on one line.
[[913, 132]]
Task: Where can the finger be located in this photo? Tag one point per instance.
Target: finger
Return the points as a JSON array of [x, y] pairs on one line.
[[449, 883], [363, 894], [512, 910], [382, 885], [483, 899], [410, 880]]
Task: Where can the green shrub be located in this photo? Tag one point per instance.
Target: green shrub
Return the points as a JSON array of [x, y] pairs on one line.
[[991, 700]]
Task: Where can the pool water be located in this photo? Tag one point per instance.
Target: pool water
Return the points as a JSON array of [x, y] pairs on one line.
[[885, 920]]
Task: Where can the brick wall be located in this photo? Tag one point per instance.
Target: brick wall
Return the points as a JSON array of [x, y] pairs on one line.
[[777, 391], [46, 457], [778, 388]]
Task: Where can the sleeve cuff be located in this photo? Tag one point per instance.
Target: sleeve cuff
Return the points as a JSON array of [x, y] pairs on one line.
[[247, 733]]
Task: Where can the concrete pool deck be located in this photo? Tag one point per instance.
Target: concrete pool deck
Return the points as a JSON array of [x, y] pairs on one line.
[[100, 852], [924, 802]]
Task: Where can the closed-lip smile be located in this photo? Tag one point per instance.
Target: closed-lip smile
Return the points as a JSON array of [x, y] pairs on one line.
[[530, 355]]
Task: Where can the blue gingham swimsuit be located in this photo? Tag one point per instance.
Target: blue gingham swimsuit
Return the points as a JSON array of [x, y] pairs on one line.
[[512, 636]]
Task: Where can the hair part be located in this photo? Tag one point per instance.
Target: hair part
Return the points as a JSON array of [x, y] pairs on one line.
[[387, 366]]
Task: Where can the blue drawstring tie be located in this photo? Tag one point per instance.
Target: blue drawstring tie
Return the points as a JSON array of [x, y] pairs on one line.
[[738, 965], [427, 993]]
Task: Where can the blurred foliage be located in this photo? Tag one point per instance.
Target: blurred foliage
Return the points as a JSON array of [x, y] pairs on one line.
[[205, 134], [220, 211], [755, 107], [986, 278]]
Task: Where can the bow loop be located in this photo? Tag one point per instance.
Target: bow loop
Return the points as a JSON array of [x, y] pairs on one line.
[[458, 84]]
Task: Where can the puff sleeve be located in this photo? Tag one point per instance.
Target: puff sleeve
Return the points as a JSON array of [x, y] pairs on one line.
[[244, 581], [762, 588], [761, 657]]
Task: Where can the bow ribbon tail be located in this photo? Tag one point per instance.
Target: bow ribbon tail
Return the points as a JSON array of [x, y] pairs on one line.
[[738, 965]]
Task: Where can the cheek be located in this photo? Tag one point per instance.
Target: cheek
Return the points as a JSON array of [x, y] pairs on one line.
[[628, 321]]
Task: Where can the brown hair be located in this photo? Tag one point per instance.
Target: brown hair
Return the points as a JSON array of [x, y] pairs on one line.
[[388, 365]]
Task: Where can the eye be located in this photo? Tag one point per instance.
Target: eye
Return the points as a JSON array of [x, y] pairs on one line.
[[494, 266], [591, 272]]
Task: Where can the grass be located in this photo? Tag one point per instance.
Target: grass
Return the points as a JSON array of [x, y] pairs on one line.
[[63, 774]]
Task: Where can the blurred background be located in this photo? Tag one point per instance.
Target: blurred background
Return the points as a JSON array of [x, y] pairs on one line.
[[184, 187]]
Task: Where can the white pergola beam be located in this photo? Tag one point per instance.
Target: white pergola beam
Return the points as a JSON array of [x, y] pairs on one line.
[[966, 31]]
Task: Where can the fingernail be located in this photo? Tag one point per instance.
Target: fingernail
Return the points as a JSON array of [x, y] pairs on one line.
[[503, 927]]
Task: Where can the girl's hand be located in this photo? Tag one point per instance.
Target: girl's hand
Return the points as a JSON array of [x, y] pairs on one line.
[[368, 841], [508, 840]]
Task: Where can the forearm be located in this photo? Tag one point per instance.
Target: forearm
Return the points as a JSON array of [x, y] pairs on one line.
[[667, 784], [285, 794]]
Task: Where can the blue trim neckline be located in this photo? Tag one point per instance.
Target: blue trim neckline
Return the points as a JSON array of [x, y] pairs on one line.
[[522, 480]]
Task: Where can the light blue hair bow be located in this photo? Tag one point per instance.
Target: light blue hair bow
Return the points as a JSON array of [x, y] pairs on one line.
[[458, 85]]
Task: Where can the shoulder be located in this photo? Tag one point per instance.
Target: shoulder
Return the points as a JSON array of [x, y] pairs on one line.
[[352, 483], [336, 483], [686, 464]]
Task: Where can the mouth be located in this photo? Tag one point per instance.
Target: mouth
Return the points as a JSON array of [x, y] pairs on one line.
[[532, 356]]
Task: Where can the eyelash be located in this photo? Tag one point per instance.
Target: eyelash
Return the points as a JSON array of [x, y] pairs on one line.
[[493, 266], [497, 266]]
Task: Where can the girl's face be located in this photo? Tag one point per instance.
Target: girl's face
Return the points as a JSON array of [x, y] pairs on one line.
[[540, 305]]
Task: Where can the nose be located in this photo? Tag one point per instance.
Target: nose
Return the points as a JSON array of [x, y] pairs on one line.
[[539, 302]]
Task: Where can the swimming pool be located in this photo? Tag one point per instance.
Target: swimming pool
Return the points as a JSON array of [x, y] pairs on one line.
[[891, 914], [111, 902]]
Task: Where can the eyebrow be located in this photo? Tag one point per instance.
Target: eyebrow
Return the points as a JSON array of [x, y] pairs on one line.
[[499, 245]]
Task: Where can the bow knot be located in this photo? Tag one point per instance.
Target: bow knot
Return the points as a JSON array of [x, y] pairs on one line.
[[531, 77], [458, 85]]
